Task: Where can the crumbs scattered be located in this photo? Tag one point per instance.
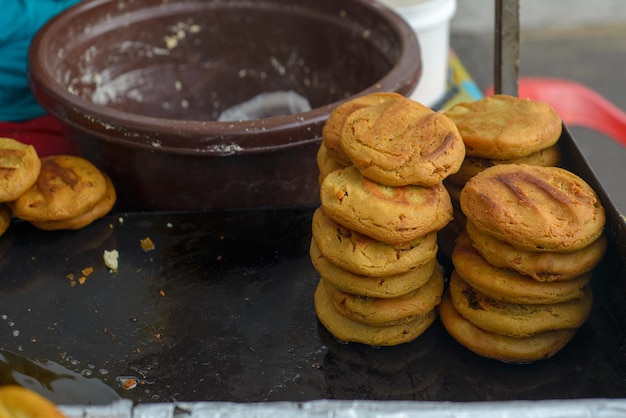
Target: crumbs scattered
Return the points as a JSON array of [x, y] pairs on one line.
[[86, 272], [120, 221], [147, 244], [111, 259], [128, 383], [180, 32]]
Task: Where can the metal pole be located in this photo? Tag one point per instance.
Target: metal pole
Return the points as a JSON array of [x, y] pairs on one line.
[[506, 48]]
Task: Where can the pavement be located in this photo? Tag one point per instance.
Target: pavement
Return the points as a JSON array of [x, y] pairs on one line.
[[591, 54]]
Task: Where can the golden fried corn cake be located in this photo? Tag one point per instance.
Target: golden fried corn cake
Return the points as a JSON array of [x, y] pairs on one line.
[[534, 208], [504, 127], [67, 187], [331, 132], [402, 142], [508, 285], [101, 208], [326, 164], [363, 255], [390, 286], [19, 168], [497, 346], [548, 157], [348, 330], [393, 215], [20, 402], [389, 311], [514, 319], [540, 265]]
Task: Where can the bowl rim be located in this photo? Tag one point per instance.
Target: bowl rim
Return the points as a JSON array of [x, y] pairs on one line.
[[192, 135]]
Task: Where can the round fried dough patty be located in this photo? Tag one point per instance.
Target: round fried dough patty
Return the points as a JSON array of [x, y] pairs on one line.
[[534, 208], [67, 187], [402, 142]]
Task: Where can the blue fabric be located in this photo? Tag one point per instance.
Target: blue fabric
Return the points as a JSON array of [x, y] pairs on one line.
[[19, 21]]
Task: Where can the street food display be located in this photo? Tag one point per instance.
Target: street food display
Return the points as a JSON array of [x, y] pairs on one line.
[[357, 293], [383, 163]]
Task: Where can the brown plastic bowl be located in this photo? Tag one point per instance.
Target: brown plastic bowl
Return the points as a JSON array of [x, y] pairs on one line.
[[139, 84]]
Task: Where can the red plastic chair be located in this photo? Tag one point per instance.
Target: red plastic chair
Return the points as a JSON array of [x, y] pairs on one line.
[[577, 104]]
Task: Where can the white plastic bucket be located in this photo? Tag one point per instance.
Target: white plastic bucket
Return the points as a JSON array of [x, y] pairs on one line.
[[430, 19]]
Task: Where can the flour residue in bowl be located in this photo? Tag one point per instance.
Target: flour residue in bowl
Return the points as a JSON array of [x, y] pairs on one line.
[[108, 91], [179, 33], [109, 82], [108, 85]]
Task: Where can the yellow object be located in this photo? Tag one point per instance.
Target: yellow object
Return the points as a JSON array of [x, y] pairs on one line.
[[19, 402], [462, 87]]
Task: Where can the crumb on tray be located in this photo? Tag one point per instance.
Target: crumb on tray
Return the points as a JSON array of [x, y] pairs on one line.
[[111, 260], [147, 244]]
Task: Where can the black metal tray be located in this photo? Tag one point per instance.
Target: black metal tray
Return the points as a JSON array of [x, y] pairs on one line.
[[222, 310]]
